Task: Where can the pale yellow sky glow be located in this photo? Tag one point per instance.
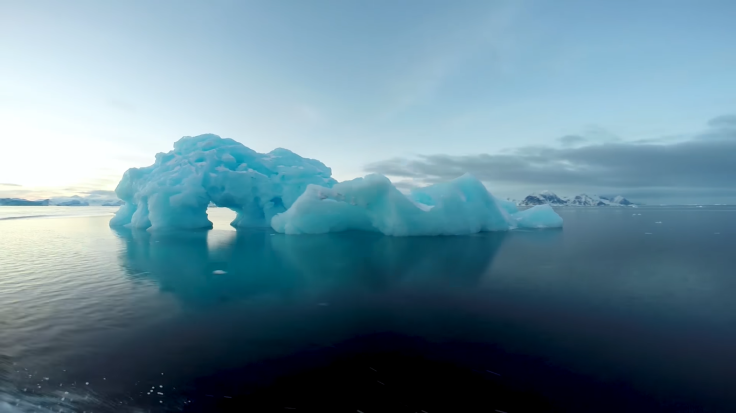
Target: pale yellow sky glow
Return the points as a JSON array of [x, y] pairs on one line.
[[47, 155]]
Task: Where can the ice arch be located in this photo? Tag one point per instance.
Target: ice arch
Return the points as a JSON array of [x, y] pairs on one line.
[[175, 191]]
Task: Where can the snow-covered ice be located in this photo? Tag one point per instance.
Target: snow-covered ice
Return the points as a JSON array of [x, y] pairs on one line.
[[296, 195]]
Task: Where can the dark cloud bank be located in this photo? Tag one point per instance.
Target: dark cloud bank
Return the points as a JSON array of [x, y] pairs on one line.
[[700, 168]]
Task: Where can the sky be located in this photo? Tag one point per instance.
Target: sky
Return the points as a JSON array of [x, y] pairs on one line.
[[636, 98]]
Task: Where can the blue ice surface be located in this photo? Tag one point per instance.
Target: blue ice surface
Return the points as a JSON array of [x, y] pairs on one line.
[[296, 195], [539, 216]]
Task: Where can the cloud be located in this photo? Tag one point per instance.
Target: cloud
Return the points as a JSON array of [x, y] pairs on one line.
[[405, 185], [704, 162], [15, 185], [725, 121], [101, 192], [572, 140]]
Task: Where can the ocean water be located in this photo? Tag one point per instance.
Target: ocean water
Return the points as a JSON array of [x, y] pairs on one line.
[[624, 309]]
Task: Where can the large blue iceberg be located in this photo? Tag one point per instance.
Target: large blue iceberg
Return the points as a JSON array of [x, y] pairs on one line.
[[296, 195]]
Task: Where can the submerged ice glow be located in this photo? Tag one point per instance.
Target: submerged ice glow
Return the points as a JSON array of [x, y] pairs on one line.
[[296, 195]]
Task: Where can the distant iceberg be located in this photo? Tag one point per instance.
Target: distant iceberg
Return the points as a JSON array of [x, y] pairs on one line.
[[541, 216], [296, 195]]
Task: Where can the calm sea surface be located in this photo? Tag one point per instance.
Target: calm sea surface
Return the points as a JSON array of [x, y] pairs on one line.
[[623, 310]]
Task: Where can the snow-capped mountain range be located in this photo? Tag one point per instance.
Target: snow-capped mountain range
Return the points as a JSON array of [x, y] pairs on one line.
[[548, 197], [75, 200]]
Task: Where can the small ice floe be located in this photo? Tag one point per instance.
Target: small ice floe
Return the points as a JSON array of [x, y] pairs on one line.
[[716, 233], [658, 222], [493, 372], [323, 304], [216, 272], [647, 233], [380, 383], [373, 369]]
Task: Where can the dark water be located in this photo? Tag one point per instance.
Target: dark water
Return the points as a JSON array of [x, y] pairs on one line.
[[615, 312]]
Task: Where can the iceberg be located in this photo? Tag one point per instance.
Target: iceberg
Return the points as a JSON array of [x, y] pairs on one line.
[[540, 216], [461, 206], [175, 191], [296, 195]]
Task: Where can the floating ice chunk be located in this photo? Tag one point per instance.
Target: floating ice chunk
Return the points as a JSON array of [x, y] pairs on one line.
[[658, 222], [540, 216], [219, 272], [458, 207]]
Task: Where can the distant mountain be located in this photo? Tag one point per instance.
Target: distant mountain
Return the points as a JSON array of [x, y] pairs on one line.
[[620, 200], [22, 202], [74, 202], [92, 200], [548, 197], [542, 198], [588, 200]]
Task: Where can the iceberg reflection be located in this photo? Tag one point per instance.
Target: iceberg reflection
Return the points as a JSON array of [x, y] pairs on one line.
[[204, 268]]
